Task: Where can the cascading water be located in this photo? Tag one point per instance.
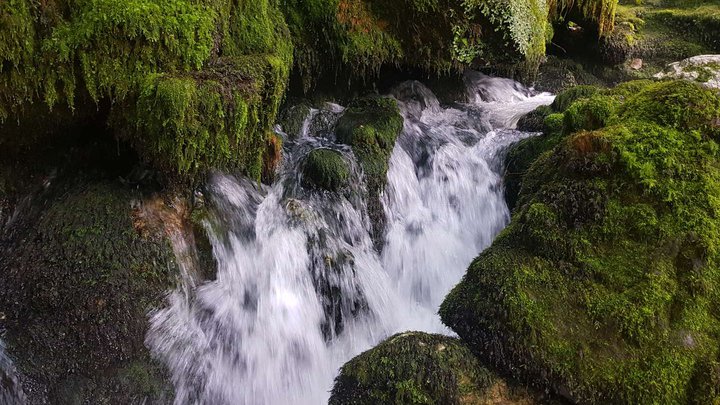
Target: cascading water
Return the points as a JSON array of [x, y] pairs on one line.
[[10, 392], [300, 288]]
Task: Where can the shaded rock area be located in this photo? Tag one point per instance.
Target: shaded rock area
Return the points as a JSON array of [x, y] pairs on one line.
[[420, 368], [76, 286]]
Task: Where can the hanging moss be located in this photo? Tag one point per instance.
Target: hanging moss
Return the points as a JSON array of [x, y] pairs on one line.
[[600, 13], [194, 86], [602, 286], [434, 35]]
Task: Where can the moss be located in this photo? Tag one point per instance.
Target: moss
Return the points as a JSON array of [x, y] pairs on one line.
[[292, 119], [601, 287], [443, 35], [418, 368], [215, 120], [553, 123], [522, 155], [533, 122], [83, 272], [678, 104], [600, 14], [590, 113], [663, 32], [326, 169], [569, 96]]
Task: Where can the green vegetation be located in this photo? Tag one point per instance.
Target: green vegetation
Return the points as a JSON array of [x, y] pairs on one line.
[[418, 368], [326, 169], [195, 86], [660, 32], [603, 286]]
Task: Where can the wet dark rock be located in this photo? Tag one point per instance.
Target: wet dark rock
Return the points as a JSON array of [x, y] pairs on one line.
[[76, 286]]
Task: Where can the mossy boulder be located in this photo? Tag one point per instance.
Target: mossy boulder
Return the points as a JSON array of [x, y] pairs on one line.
[[590, 113], [326, 169], [371, 126], [420, 368], [292, 118], [677, 104], [604, 284], [76, 285]]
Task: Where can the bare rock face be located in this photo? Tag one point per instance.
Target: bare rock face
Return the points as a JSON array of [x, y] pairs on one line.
[[704, 69]]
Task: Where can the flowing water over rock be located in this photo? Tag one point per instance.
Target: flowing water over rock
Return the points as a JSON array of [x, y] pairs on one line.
[[300, 288], [10, 392]]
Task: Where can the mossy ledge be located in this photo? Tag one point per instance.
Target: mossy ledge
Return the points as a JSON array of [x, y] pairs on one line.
[[420, 368], [604, 286]]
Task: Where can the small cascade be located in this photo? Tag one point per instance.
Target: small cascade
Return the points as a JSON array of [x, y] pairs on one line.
[[10, 390], [300, 288]]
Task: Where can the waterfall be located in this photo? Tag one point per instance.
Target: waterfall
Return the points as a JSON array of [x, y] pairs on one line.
[[10, 392], [300, 288]]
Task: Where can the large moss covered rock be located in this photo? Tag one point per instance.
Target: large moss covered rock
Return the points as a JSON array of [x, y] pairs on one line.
[[76, 285], [419, 368], [604, 286]]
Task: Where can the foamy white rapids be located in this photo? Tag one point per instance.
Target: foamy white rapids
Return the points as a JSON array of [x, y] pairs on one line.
[[10, 391], [300, 288]]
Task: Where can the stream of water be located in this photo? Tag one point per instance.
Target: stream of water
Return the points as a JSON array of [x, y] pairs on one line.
[[300, 288]]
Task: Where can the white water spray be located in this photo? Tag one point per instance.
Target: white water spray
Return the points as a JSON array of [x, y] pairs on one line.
[[300, 288], [10, 391]]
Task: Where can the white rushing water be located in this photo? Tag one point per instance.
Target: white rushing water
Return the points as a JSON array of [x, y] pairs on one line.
[[300, 288], [10, 392]]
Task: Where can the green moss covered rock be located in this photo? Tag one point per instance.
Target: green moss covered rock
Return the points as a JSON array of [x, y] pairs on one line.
[[371, 126], [76, 285], [604, 286], [419, 368], [533, 122], [326, 169]]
